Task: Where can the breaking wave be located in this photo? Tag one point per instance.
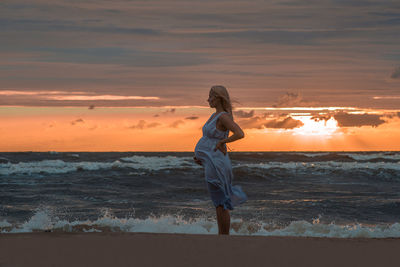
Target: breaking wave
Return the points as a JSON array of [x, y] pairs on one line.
[[43, 221], [143, 164], [60, 166]]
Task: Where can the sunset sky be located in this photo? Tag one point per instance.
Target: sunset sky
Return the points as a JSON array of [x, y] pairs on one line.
[[96, 75]]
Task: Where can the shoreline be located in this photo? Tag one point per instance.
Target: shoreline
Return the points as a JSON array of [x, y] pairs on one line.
[[156, 249]]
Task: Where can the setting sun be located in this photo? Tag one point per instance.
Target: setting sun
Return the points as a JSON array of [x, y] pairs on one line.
[[316, 127]]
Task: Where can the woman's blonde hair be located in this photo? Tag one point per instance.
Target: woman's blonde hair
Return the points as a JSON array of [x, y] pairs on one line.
[[221, 91]]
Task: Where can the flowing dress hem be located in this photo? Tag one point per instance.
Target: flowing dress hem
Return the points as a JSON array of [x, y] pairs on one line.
[[226, 204]]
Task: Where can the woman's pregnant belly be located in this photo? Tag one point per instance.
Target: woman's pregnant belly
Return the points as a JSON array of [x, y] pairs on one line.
[[214, 162], [201, 149], [204, 149]]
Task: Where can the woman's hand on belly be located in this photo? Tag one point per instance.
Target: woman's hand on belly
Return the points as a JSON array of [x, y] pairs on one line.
[[197, 161]]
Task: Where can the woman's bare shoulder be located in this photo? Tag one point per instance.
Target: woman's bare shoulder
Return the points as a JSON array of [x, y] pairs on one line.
[[226, 117], [225, 121]]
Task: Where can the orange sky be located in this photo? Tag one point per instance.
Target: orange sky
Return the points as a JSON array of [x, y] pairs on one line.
[[179, 128]]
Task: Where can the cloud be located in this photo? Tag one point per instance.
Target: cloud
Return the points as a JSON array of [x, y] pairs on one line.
[[258, 122], [395, 73], [153, 124], [386, 97], [128, 57], [176, 124], [74, 98], [58, 25], [357, 120], [287, 123], [139, 125], [142, 124], [191, 118], [33, 93], [127, 48], [39, 93], [101, 97], [345, 119], [243, 114], [293, 100], [77, 121], [391, 115], [172, 110], [319, 117]]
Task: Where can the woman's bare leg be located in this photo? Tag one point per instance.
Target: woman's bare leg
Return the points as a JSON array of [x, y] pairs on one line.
[[224, 221]]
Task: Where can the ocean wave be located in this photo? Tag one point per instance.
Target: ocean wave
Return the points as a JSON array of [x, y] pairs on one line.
[[141, 164], [356, 156], [43, 221], [60, 166], [316, 156], [382, 156], [324, 165]]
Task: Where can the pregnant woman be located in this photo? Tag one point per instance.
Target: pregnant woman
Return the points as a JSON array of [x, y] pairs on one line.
[[211, 153]]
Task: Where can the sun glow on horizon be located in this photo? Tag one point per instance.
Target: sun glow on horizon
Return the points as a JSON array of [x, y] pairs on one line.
[[315, 127]]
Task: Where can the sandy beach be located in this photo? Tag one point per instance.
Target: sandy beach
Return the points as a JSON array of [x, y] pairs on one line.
[[148, 249]]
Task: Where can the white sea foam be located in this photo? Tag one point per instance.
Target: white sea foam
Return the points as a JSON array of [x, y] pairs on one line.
[[60, 166], [42, 221], [380, 155], [4, 223], [4, 160], [312, 155], [157, 163]]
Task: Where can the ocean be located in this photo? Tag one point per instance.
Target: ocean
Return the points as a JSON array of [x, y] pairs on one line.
[[318, 194]]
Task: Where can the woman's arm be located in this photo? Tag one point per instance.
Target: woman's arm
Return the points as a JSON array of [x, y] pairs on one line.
[[230, 125]]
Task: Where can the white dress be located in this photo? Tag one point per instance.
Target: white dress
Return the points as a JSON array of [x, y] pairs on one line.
[[217, 166]]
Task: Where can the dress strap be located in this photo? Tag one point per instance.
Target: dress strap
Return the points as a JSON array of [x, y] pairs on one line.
[[213, 117]]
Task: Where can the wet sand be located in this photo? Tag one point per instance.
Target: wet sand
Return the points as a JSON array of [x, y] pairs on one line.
[[147, 249]]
